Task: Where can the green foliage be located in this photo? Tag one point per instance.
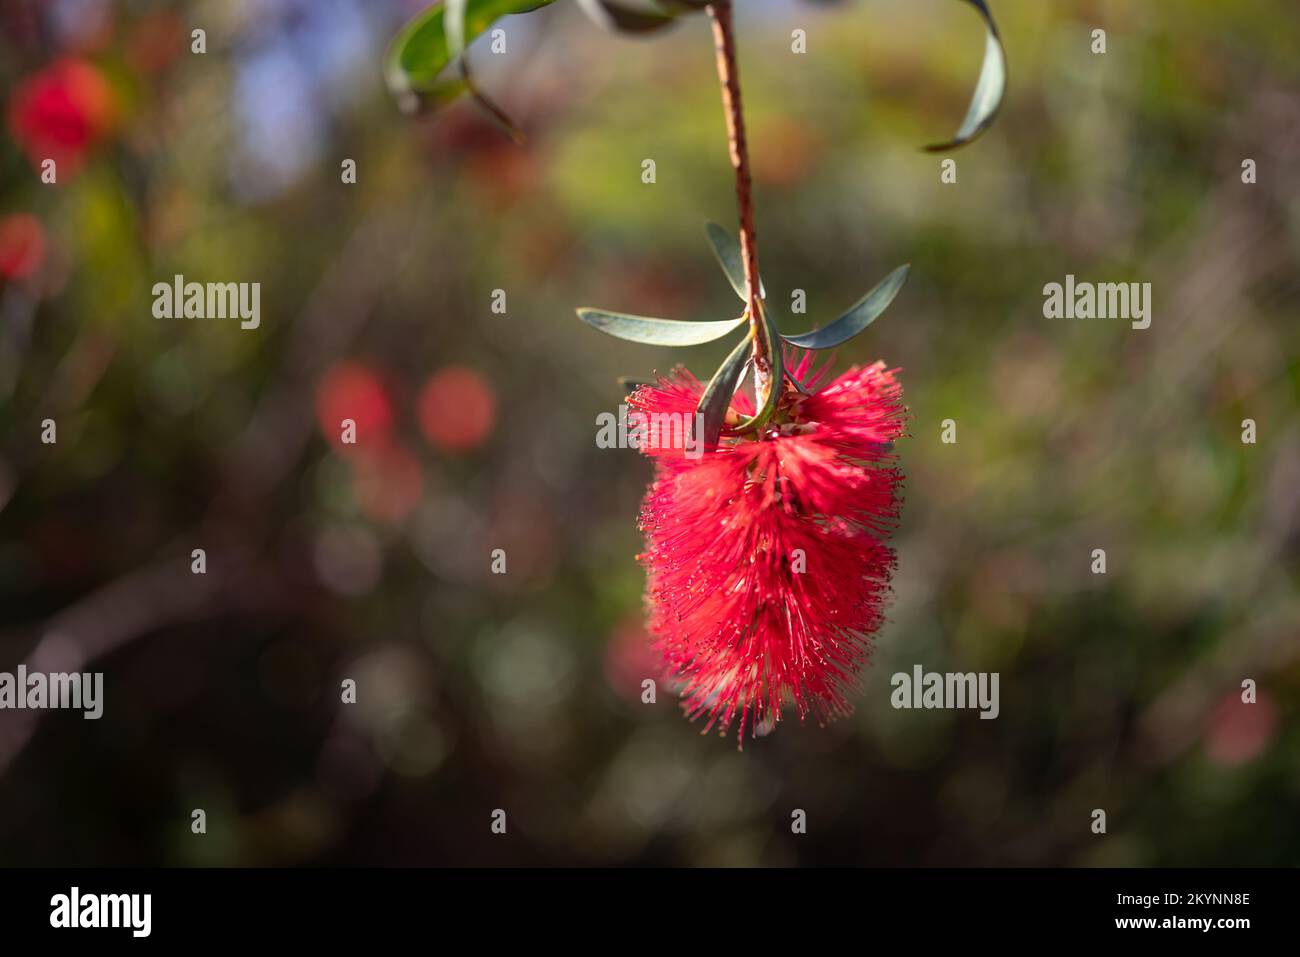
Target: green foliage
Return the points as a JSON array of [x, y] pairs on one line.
[[717, 395], [656, 332], [727, 250], [436, 38], [858, 317], [424, 48], [626, 19], [989, 89]]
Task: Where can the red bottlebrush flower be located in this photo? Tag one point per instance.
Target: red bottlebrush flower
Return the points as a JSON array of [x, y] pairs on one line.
[[766, 561], [61, 112]]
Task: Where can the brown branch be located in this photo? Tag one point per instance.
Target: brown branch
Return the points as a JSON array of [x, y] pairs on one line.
[[724, 40]]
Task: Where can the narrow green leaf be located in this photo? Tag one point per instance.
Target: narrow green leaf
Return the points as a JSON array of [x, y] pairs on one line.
[[621, 18], [861, 315], [727, 250], [420, 52], [716, 399], [657, 332], [989, 89]]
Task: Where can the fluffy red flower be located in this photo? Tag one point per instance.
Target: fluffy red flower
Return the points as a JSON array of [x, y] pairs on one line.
[[766, 561]]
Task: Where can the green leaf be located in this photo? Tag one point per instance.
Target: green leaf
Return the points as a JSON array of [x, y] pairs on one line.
[[656, 332], [992, 84], [727, 250], [453, 26], [717, 395], [420, 52], [861, 315], [624, 19]]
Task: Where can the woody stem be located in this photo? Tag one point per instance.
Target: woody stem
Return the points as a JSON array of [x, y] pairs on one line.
[[724, 39]]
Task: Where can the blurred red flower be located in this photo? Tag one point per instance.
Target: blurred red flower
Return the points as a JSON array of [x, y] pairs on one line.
[[22, 245], [457, 409], [352, 390], [61, 112], [765, 558], [1237, 732]]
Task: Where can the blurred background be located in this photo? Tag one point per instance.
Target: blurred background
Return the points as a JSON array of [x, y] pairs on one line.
[[477, 431]]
